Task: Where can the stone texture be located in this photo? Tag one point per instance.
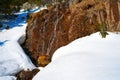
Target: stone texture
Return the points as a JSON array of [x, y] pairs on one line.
[[60, 24], [27, 75]]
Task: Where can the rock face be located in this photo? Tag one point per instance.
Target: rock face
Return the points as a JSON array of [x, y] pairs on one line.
[[60, 24]]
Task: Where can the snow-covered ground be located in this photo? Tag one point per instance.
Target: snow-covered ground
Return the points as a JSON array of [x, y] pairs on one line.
[[12, 57], [87, 58]]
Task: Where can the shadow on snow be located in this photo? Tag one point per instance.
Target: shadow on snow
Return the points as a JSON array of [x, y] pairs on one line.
[[17, 22], [2, 42]]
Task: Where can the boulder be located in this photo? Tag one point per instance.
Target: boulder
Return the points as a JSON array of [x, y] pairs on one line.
[[62, 23], [27, 75]]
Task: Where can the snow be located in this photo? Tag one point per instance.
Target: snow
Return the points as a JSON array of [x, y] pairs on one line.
[[7, 78], [88, 58], [41, 8], [12, 57]]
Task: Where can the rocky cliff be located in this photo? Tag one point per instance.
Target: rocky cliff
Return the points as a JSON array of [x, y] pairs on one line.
[[62, 23]]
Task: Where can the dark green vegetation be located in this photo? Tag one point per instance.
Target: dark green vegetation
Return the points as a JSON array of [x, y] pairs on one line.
[[11, 6], [103, 29]]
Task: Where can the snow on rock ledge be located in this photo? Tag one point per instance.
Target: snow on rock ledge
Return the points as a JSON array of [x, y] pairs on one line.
[[87, 58]]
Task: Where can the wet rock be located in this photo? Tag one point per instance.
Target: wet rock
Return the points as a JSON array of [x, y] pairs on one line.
[[60, 24]]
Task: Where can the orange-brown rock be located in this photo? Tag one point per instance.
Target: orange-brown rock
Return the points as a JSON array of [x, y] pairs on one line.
[[43, 60], [60, 24]]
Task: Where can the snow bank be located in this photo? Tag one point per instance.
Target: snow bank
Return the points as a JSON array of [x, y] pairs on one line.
[[7, 78], [88, 58], [12, 57], [13, 34]]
